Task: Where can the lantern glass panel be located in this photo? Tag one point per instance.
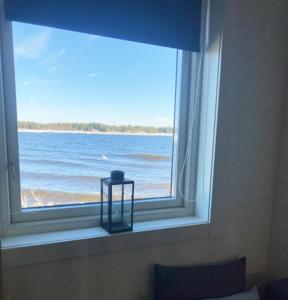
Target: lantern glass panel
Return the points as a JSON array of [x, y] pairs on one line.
[[105, 204], [121, 207], [117, 204], [128, 204], [116, 193]]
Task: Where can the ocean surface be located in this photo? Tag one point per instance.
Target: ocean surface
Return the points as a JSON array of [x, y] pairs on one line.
[[65, 168]]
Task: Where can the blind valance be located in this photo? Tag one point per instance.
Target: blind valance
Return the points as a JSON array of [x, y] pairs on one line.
[[169, 23]]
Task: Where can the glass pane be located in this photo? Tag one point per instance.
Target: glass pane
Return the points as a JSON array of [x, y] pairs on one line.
[[87, 105], [121, 210], [128, 204], [117, 204], [105, 204]]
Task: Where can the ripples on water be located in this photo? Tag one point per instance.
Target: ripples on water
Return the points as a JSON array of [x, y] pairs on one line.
[[65, 168]]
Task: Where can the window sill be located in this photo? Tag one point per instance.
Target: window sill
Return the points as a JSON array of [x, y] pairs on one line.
[[39, 248]]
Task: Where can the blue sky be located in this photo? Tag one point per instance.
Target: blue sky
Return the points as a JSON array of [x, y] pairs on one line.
[[64, 76]]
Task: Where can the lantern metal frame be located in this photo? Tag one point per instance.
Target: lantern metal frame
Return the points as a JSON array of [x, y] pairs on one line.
[[121, 226]]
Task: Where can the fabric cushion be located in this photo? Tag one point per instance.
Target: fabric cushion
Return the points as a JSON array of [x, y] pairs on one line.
[[199, 282], [250, 295], [277, 289]]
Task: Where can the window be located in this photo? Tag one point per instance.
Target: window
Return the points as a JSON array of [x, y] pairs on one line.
[[87, 105], [77, 106]]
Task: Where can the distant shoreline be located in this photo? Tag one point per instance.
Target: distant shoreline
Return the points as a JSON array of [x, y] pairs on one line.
[[93, 132]]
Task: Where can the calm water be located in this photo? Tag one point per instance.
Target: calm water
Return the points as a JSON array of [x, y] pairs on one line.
[[62, 168]]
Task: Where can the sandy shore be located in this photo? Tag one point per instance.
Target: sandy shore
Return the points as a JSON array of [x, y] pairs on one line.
[[94, 132], [41, 198]]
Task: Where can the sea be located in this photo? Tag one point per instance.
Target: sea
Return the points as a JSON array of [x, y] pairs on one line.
[[60, 168]]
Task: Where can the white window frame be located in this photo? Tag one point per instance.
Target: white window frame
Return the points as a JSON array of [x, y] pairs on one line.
[[17, 220]]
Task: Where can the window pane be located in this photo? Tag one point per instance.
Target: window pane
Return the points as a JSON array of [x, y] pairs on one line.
[[87, 105]]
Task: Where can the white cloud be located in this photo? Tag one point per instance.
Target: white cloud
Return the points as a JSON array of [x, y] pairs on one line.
[[42, 83], [91, 75], [32, 100], [52, 69], [61, 52], [52, 59], [33, 46], [93, 37], [27, 83], [46, 83]]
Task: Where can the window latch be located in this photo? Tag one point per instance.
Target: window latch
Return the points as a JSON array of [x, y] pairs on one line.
[[11, 169]]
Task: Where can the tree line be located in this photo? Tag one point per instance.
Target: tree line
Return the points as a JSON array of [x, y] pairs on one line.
[[90, 127]]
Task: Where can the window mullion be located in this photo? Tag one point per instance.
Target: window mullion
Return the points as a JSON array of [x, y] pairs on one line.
[[10, 117], [183, 127], [193, 131]]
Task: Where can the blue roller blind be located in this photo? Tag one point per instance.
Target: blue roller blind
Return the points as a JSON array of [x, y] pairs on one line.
[[169, 23]]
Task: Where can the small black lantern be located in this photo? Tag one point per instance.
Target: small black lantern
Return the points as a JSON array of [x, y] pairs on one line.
[[117, 202]]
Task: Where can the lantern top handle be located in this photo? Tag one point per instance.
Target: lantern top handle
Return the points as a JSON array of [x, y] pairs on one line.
[[117, 175]]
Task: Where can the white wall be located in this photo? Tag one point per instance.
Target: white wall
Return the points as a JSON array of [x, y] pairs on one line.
[[251, 93], [278, 258]]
